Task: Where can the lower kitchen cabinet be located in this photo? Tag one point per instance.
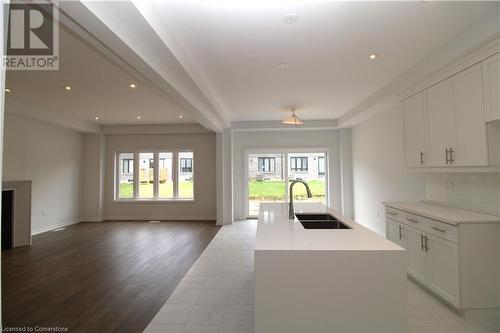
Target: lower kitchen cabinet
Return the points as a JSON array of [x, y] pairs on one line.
[[459, 263], [417, 256], [442, 263]]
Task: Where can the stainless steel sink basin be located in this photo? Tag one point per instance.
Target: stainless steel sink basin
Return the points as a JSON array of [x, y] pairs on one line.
[[320, 221]]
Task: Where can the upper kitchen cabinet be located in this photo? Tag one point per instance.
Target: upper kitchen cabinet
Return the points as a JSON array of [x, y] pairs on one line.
[[440, 123], [445, 125], [491, 82], [470, 147], [414, 128]]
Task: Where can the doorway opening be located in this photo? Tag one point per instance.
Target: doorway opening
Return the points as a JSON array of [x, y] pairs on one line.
[[7, 218], [269, 174]]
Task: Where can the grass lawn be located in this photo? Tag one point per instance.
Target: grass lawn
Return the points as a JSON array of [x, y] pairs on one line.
[[275, 190], [165, 190]]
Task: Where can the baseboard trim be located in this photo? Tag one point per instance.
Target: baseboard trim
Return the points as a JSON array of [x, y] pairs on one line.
[[57, 226], [160, 218]]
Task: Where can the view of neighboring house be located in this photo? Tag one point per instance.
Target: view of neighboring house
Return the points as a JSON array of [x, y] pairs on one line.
[[301, 166]]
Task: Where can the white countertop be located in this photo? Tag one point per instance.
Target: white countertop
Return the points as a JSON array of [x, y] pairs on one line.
[[443, 213], [276, 232]]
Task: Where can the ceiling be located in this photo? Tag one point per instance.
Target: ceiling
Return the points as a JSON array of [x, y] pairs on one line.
[[236, 46], [100, 88]]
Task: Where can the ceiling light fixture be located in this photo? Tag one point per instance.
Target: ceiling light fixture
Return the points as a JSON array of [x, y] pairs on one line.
[[7, 90], [282, 65], [181, 116], [291, 18], [67, 88], [139, 117], [373, 56], [293, 119], [96, 118], [132, 85]]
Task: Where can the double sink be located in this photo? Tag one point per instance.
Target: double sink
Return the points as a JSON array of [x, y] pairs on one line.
[[320, 221]]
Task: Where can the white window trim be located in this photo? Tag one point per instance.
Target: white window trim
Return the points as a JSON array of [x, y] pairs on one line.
[[175, 176]]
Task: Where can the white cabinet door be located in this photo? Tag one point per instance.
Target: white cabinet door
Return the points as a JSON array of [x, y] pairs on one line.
[[440, 125], [396, 232], [470, 148], [443, 269], [417, 257], [491, 84], [414, 130]]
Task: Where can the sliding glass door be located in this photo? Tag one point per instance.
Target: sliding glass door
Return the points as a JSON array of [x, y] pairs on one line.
[[271, 173]]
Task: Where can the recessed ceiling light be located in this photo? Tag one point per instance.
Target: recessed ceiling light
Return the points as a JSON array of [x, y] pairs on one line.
[[7, 90], [281, 65], [139, 117], [181, 116], [132, 85], [373, 56], [96, 118], [67, 88], [291, 18]]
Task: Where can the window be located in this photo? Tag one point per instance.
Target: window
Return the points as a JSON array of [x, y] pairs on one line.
[[185, 177], [321, 166], [126, 175], [267, 164], [153, 177], [128, 165], [186, 165], [298, 164]]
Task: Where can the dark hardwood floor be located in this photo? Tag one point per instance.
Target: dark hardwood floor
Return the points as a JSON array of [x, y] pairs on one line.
[[99, 277]]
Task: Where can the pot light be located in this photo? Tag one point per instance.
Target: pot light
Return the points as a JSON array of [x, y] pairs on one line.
[[7, 90], [291, 18], [139, 117], [132, 85], [373, 56], [181, 116], [67, 88], [96, 118], [293, 119]]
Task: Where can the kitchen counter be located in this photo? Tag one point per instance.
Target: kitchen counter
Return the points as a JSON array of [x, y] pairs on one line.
[[276, 232], [326, 280], [442, 213]]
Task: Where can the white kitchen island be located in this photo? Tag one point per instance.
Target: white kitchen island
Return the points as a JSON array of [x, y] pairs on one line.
[[326, 280]]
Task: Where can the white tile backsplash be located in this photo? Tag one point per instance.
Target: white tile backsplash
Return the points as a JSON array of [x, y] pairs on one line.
[[475, 191]]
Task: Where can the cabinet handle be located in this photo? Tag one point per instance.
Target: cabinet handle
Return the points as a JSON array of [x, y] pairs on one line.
[[426, 243], [400, 232], [421, 158], [447, 159], [451, 155], [393, 214], [421, 242], [412, 220], [438, 229]]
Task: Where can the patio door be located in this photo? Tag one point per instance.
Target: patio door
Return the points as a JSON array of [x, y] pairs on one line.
[[270, 174]]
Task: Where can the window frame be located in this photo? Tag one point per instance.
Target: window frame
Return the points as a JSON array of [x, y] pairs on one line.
[[155, 198], [293, 164], [269, 158]]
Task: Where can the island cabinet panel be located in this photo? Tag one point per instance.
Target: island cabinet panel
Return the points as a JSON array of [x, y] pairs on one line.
[[459, 263]]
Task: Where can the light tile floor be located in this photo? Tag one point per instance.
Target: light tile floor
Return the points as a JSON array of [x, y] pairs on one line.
[[217, 295]]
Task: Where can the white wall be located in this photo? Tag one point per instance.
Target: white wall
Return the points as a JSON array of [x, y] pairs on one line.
[[378, 170], [204, 205], [51, 157], [284, 139], [93, 177]]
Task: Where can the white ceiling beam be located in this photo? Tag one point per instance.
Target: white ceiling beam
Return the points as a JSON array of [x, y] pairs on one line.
[[141, 48]]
